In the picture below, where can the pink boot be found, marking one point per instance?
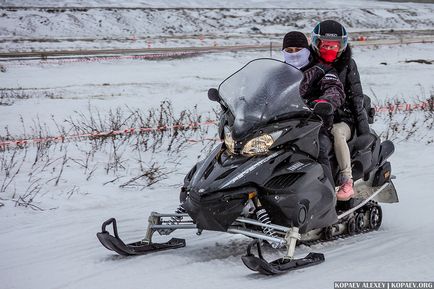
(345, 191)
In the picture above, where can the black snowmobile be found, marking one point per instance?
(264, 180)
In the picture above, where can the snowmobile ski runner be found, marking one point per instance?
(114, 243)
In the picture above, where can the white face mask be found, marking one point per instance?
(298, 59)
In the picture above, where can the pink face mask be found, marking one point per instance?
(328, 55)
(328, 50)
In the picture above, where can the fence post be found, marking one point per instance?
(271, 49)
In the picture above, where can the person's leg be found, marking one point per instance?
(325, 146)
(342, 133)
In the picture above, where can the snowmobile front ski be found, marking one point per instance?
(114, 243)
(282, 265)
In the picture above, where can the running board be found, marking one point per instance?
(387, 195)
(373, 195)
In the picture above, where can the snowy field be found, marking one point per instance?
(34, 26)
(215, 4)
(71, 188)
(138, 84)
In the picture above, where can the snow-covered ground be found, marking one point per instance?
(56, 247)
(216, 4)
(138, 83)
(215, 23)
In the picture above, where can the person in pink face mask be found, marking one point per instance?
(329, 42)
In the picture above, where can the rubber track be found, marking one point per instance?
(322, 240)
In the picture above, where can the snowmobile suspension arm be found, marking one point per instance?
(257, 235)
(179, 226)
(157, 223)
(155, 214)
(165, 227)
(260, 224)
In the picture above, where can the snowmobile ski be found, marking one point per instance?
(114, 243)
(278, 266)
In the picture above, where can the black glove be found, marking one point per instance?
(327, 68)
(324, 110)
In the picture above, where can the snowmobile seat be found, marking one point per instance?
(361, 148)
(362, 142)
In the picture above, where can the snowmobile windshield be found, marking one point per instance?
(262, 91)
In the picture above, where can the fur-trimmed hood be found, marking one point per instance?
(344, 59)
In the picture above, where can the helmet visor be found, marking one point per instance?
(317, 39)
(333, 45)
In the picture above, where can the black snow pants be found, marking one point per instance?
(325, 148)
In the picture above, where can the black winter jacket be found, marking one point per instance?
(322, 82)
(352, 111)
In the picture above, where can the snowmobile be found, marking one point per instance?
(264, 181)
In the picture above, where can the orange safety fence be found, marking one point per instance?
(392, 108)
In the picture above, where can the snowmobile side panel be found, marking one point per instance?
(294, 196)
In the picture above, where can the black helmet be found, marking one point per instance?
(329, 30)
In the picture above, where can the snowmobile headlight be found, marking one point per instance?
(258, 145)
(229, 141)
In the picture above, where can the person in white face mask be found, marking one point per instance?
(295, 50)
